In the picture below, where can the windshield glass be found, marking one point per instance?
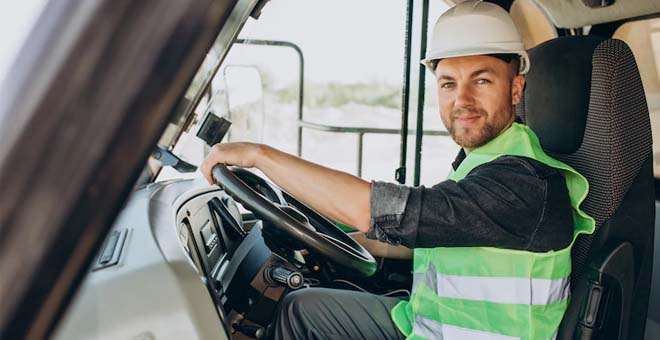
(350, 89)
(16, 21)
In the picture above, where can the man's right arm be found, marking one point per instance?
(511, 202)
(337, 195)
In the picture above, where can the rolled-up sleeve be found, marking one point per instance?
(388, 205)
(506, 203)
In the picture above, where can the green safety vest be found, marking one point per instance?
(493, 293)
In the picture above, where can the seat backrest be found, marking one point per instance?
(585, 101)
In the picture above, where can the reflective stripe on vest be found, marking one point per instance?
(511, 290)
(432, 329)
(491, 293)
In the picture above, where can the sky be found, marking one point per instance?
(343, 41)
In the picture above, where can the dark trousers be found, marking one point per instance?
(321, 313)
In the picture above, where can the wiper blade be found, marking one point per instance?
(167, 158)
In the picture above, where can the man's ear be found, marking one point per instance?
(517, 87)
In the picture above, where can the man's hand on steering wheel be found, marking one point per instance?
(312, 187)
(340, 196)
(241, 154)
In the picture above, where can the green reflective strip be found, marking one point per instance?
(495, 262)
(524, 321)
(402, 317)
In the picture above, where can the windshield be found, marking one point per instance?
(331, 96)
(16, 20)
(176, 139)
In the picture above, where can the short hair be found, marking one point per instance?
(508, 58)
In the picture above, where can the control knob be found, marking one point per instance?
(284, 276)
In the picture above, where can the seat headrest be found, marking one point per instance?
(556, 100)
(585, 101)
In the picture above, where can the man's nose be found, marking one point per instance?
(464, 96)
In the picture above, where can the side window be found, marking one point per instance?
(352, 85)
(643, 37)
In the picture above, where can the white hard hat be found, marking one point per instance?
(475, 28)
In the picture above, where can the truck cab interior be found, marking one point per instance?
(108, 232)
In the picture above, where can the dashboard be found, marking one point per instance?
(180, 262)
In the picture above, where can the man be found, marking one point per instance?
(492, 243)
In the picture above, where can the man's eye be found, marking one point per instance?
(483, 81)
(447, 85)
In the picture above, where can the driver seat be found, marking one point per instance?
(585, 101)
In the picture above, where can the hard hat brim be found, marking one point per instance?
(484, 50)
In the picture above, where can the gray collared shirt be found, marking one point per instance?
(511, 202)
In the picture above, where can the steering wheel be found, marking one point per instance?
(329, 241)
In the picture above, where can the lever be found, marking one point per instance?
(284, 276)
(254, 332)
(167, 158)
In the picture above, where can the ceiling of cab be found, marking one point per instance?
(574, 13)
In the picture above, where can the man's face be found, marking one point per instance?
(476, 95)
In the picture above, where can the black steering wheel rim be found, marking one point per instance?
(331, 242)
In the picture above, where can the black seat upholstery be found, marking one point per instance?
(584, 99)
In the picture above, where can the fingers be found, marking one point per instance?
(209, 162)
(229, 154)
(206, 171)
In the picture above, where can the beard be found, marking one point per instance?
(471, 137)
